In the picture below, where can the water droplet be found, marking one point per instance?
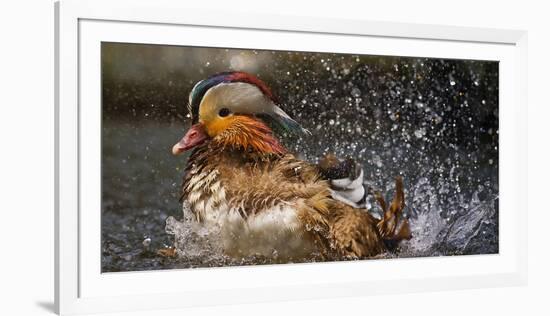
(355, 92)
(146, 242)
(419, 133)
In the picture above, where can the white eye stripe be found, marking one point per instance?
(238, 97)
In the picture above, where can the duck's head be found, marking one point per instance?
(235, 109)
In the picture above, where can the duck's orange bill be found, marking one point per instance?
(194, 137)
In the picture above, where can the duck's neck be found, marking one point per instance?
(250, 135)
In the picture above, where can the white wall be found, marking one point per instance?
(26, 163)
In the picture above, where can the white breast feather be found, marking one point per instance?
(268, 232)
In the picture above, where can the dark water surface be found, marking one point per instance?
(435, 122)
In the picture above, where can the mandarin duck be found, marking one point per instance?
(264, 200)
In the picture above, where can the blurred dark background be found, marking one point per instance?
(435, 121)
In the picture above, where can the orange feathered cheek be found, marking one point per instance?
(218, 125)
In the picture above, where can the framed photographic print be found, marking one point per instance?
(209, 159)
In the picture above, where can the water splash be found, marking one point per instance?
(435, 232)
(194, 241)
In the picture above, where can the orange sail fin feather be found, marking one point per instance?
(392, 226)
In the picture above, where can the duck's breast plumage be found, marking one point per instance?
(257, 204)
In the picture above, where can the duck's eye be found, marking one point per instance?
(224, 112)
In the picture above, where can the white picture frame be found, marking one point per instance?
(81, 287)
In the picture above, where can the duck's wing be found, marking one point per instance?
(353, 233)
(340, 227)
(261, 185)
(356, 233)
